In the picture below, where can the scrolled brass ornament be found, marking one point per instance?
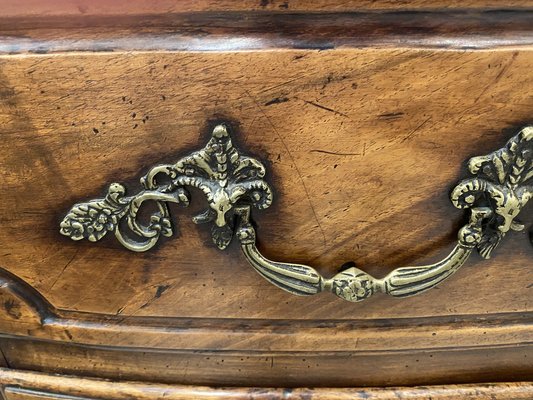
(233, 184)
(223, 175)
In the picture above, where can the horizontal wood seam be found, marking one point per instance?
(261, 353)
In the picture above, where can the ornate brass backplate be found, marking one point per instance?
(224, 176)
(233, 184)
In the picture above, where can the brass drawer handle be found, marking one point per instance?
(354, 284)
(233, 184)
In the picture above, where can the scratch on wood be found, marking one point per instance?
(333, 153)
(6, 362)
(160, 290)
(277, 100)
(283, 83)
(389, 116)
(64, 268)
(498, 77)
(325, 108)
(410, 134)
(293, 162)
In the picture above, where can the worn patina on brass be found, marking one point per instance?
(233, 184)
(225, 177)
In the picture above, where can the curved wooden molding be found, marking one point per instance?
(30, 310)
(22, 303)
(33, 383)
(42, 337)
(450, 29)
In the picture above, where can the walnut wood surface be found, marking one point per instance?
(26, 385)
(221, 351)
(362, 147)
(240, 31)
(338, 130)
(127, 7)
(226, 367)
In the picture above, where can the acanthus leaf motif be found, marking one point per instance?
(219, 171)
(501, 182)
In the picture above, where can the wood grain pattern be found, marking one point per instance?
(338, 130)
(238, 31)
(364, 129)
(69, 126)
(30, 386)
(127, 7)
(226, 367)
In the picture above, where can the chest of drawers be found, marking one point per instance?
(303, 132)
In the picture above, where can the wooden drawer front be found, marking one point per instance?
(362, 146)
(368, 181)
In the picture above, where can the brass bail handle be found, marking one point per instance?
(234, 184)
